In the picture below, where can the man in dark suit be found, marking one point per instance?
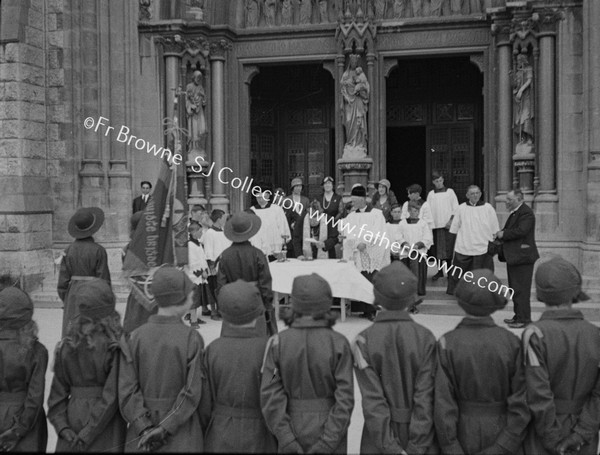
(520, 253)
(140, 202)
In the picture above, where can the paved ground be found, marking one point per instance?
(439, 316)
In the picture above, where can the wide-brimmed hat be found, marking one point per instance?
(358, 190)
(476, 298)
(386, 183)
(295, 182)
(170, 286)
(16, 308)
(85, 222)
(557, 281)
(311, 294)
(241, 226)
(395, 287)
(96, 299)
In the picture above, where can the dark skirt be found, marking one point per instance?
(443, 244)
(203, 297)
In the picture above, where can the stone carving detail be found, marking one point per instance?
(523, 109)
(145, 14)
(176, 45)
(196, 9)
(355, 90)
(355, 33)
(269, 13)
(219, 48)
(195, 102)
(252, 13)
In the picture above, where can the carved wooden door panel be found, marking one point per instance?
(262, 156)
(307, 152)
(451, 150)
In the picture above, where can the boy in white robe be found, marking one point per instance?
(274, 225)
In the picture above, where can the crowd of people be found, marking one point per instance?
(151, 384)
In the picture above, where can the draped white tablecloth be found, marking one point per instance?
(345, 280)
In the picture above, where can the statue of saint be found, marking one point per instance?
(287, 13)
(305, 7)
(399, 8)
(522, 79)
(195, 100)
(380, 9)
(324, 14)
(252, 13)
(270, 12)
(355, 90)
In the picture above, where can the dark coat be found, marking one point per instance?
(139, 204)
(161, 381)
(307, 390)
(563, 380)
(480, 390)
(83, 258)
(519, 237)
(22, 381)
(233, 364)
(245, 261)
(83, 396)
(394, 361)
(334, 212)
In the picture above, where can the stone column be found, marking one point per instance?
(339, 113)
(372, 117)
(218, 49)
(500, 29)
(546, 200)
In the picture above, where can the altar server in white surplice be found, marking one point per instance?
(274, 224)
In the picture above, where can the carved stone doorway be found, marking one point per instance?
(292, 126)
(434, 121)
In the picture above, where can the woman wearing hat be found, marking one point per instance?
(295, 211)
(480, 394)
(83, 404)
(332, 205)
(83, 260)
(23, 363)
(384, 199)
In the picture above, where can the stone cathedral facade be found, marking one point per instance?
(504, 94)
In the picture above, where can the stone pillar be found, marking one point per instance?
(339, 112)
(372, 117)
(500, 28)
(218, 50)
(546, 200)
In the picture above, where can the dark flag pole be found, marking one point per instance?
(161, 236)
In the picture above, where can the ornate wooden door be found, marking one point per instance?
(451, 150)
(308, 153)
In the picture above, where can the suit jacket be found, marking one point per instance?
(519, 237)
(139, 204)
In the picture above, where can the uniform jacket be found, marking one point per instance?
(83, 258)
(519, 237)
(83, 396)
(563, 384)
(480, 390)
(394, 361)
(307, 390)
(151, 394)
(22, 381)
(233, 364)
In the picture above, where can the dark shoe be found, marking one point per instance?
(187, 317)
(437, 276)
(413, 310)
(216, 317)
(206, 312)
(417, 302)
(511, 321)
(517, 325)
(195, 325)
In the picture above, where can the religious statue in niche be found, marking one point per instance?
(380, 8)
(305, 9)
(195, 100)
(252, 11)
(269, 12)
(399, 8)
(522, 82)
(355, 90)
(324, 14)
(287, 14)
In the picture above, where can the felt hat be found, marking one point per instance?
(327, 179)
(16, 308)
(240, 302)
(311, 294)
(386, 183)
(395, 287)
(85, 222)
(295, 182)
(96, 299)
(241, 226)
(557, 281)
(479, 300)
(358, 190)
(170, 286)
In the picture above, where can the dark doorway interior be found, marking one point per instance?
(292, 126)
(405, 162)
(434, 120)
